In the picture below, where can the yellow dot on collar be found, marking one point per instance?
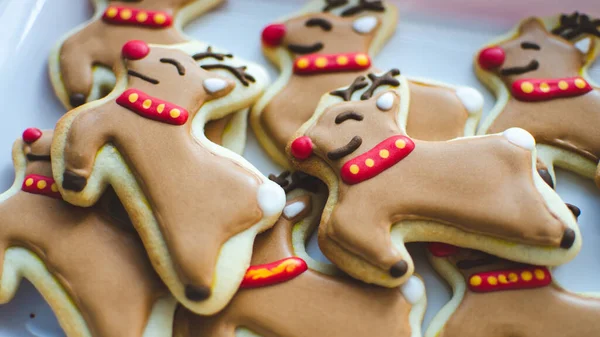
(502, 279)
(133, 97)
(29, 182)
(174, 113)
(342, 60)
(369, 162)
(321, 62)
(400, 144)
(41, 184)
(354, 169)
(512, 277)
(147, 104)
(384, 154)
(492, 280)
(111, 12)
(526, 276)
(544, 87)
(126, 14)
(141, 17)
(362, 59)
(160, 18)
(302, 63)
(527, 87)
(54, 188)
(475, 281)
(579, 83)
(160, 108)
(563, 85)
(539, 274)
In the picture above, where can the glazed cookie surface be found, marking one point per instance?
(326, 46)
(146, 139)
(61, 248)
(81, 63)
(496, 298)
(538, 72)
(287, 294)
(387, 188)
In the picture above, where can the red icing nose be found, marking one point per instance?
(31, 135)
(302, 147)
(135, 50)
(491, 58)
(272, 35)
(439, 249)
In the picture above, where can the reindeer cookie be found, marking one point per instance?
(539, 74)
(325, 47)
(500, 298)
(81, 64)
(86, 262)
(286, 294)
(196, 205)
(387, 189)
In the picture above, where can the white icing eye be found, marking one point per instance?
(290, 211)
(365, 25)
(413, 290)
(214, 85)
(385, 102)
(471, 99)
(520, 138)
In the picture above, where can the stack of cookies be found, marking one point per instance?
(137, 216)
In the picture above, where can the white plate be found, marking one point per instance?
(435, 38)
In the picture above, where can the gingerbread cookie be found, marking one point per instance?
(81, 64)
(539, 75)
(327, 45)
(196, 205)
(387, 189)
(497, 298)
(86, 262)
(286, 295)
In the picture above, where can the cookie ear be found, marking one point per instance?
(585, 45)
(532, 25)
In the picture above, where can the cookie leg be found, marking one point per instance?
(76, 68)
(368, 239)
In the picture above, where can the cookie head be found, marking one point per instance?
(331, 27)
(36, 145)
(535, 52)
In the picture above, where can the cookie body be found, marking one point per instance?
(507, 298)
(387, 188)
(297, 306)
(325, 47)
(147, 140)
(80, 259)
(539, 74)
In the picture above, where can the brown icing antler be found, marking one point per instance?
(346, 94)
(574, 25)
(239, 72)
(364, 5)
(377, 81)
(209, 53)
(333, 4)
(297, 180)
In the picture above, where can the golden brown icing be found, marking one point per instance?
(435, 113)
(568, 123)
(548, 311)
(189, 188)
(297, 307)
(89, 252)
(439, 182)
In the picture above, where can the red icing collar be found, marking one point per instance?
(534, 90)
(121, 15)
(329, 63)
(152, 108)
(371, 163)
(37, 184)
(510, 279)
(263, 275)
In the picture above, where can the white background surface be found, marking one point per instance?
(435, 39)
